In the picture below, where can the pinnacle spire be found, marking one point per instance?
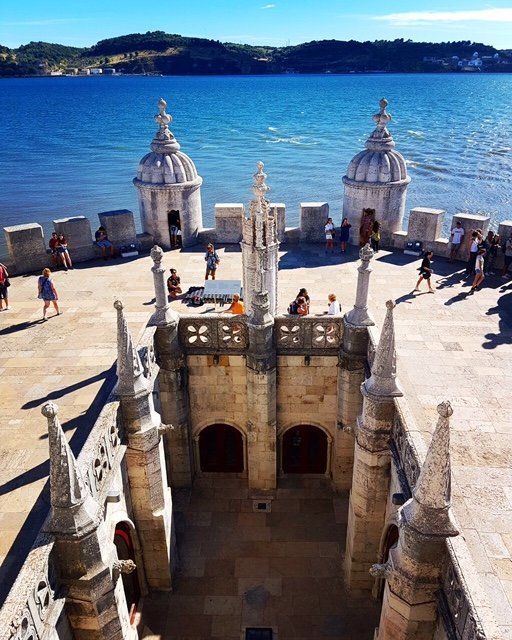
(164, 140)
(429, 509)
(130, 374)
(380, 139)
(74, 511)
(382, 381)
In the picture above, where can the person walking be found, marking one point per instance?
(4, 288)
(212, 261)
(456, 238)
(47, 292)
(329, 236)
(479, 270)
(425, 272)
(344, 234)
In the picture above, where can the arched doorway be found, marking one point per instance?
(125, 551)
(221, 449)
(390, 542)
(305, 450)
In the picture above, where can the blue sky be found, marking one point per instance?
(273, 22)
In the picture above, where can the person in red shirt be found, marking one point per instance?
(53, 249)
(4, 291)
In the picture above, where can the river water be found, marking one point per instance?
(70, 146)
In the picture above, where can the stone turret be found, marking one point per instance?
(377, 179)
(167, 181)
(260, 246)
(409, 608)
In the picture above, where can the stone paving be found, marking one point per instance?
(279, 570)
(450, 346)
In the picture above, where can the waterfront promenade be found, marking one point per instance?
(450, 346)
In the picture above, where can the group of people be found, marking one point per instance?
(483, 252)
(58, 249)
(330, 235)
(301, 304)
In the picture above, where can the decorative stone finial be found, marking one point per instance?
(164, 140)
(382, 381)
(381, 139)
(429, 509)
(260, 188)
(130, 373)
(74, 512)
(366, 253)
(156, 254)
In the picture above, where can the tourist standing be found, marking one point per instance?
(212, 261)
(329, 236)
(344, 234)
(334, 308)
(102, 241)
(173, 284)
(47, 292)
(375, 236)
(491, 254)
(4, 288)
(62, 250)
(476, 239)
(174, 225)
(365, 229)
(425, 272)
(456, 237)
(479, 270)
(507, 249)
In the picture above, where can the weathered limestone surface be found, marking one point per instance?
(77, 231)
(26, 249)
(120, 226)
(228, 222)
(313, 216)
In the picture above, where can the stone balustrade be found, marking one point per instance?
(308, 335)
(205, 334)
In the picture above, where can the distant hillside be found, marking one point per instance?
(157, 52)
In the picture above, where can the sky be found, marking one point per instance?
(276, 22)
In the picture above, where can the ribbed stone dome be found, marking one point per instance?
(379, 162)
(166, 164)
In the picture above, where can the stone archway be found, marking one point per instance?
(304, 450)
(221, 449)
(125, 551)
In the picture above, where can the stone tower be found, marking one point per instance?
(167, 182)
(377, 179)
(260, 246)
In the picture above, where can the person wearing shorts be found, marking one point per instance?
(479, 270)
(212, 261)
(102, 241)
(425, 272)
(4, 289)
(456, 237)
